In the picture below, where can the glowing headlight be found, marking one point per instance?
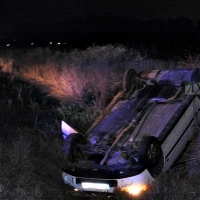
(135, 189)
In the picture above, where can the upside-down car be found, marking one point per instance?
(138, 136)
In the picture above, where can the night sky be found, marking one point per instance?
(48, 18)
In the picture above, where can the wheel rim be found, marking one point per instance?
(153, 153)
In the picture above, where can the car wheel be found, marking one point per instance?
(149, 152)
(129, 79)
(70, 146)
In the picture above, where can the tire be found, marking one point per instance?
(149, 152)
(129, 79)
(70, 146)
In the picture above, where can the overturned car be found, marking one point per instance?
(138, 136)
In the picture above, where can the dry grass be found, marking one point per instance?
(90, 76)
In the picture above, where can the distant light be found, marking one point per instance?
(50, 43)
(58, 43)
(76, 190)
(7, 45)
(32, 44)
(64, 43)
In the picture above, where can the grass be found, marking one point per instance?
(25, 170)
(39, 88)
(88, 76)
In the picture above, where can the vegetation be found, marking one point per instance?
(39, 88)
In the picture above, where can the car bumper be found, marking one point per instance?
(108, 185)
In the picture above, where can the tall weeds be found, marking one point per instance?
(90, 77)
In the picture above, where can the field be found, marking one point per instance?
(42, 86)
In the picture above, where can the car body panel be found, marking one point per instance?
(144, 178)
(66, 129)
